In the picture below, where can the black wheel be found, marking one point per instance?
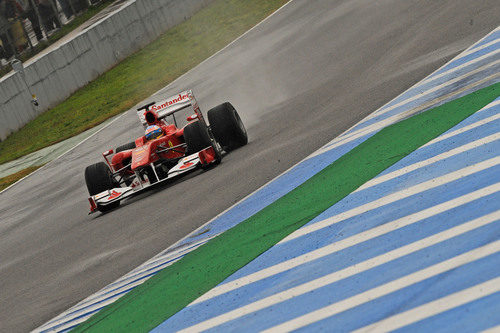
(227, 127)
(127, 146)
(196, 137)
(126, 173)
(99, 179)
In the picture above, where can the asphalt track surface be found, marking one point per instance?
(298, 80)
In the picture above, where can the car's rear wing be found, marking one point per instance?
(169, 106)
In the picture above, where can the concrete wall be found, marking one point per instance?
(55, 76)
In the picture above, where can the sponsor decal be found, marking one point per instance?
(187, 165)
(170, 102)
(140, 154)
(114, 195)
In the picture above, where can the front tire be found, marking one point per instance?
(227, 127)
(197, 138)
(127, 146)
(98, 178)
(127, 174)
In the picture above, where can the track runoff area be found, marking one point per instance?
(394, 224)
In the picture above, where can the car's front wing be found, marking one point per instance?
(184, 165)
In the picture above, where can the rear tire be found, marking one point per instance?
(99, 179)
(227, 127)
(127, 146)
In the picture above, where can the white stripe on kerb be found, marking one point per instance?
(434, 159)
(405, 193)
(435, 307)
(355, 240)
(348, 303)
(388, 288)
(466, 64)
(495, 329)
(471, 126)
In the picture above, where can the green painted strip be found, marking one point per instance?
(172, 289)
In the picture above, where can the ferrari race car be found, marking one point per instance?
(177, 140)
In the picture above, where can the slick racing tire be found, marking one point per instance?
(127, 146)
(131, 145)
(197, 138)
(99, 179)
(227, 127)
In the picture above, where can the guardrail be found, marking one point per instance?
(54, 76)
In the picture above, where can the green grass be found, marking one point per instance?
(169, 291)
(11, 179)
(143, 73)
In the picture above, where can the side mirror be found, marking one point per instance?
(107, 153)
(192, 117)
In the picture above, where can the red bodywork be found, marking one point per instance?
(157, 160)
(146, 151)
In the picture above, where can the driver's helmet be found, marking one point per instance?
(153, 132)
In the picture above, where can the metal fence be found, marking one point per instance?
(24, 24)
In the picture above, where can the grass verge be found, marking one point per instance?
(143, 73)
(11, 179)
(168, 292)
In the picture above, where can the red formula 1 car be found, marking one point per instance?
(177, 140)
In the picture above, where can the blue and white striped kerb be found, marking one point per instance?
(360, 253)
(417, 248)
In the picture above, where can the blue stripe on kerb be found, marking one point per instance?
(490, 38)
(458, 279)
(275, 190)
(462, 60)
(374, 218)
(471, 317)
(345, 258)
(359, 283)
(418, 294)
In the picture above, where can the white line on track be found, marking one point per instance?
(66, 152)
(393, 197)
(358, 239)
(354, 300)
(388, 288)
(461, 149)
(435, 307)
